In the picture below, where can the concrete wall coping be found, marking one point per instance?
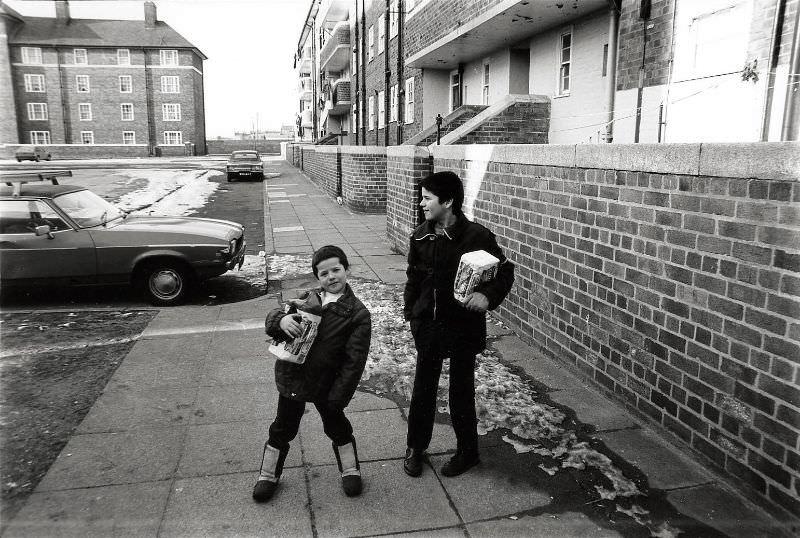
(758, 160)
(407, 151)
(363, 150)
(327, 149)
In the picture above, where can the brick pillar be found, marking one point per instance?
(405, 168)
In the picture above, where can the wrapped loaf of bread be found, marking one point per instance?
(296, 350)
(473, 268)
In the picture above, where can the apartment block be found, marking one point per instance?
(102, 82)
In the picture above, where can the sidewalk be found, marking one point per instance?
(173, 445)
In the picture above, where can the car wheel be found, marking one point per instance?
(36, 158)
(19, 160)
(165, 283)
(230, 178)
(49, 157)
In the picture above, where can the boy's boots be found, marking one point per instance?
(347, 458)
(271, 469)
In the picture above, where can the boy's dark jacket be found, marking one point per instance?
(336, 360)
(432, 265)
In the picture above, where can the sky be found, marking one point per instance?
(249, 74)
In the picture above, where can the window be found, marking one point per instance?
(40, 137)
(81, 58)
(371, 107)
(82, 83)
(170, 84)
(125, 84)
(409, 115)
(485, 93)
(126, 111)
(394, 15)
(565, 59)
(22, 216)
(455, 90)
(371, 45)
(381, 32)
(128, 137)
(123, 57)
(381, 109)
(85, 111)
(32, 55)
(355, 116)
(173, 138)
(87, 137)
(37, 111)
(171, 112)
(605, 59)
(393, 104)
(169, 57)
(34, 83)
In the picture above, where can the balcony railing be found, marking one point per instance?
(305, 66)
(304, 85)
(306, 119)
(341, 98)
(335, 54)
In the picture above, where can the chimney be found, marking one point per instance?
(149, 15)
(62, 12)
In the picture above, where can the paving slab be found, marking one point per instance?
(392, 502)
(126, 510)
(563, 525)
(365, 401)
(230, 403)
(222, 506)
(449, 532)
(593, 409)
(156, 349)
(726, 512)
(102, 459)
(236, 369)
(255, 309)
(124, 409)
(234, 447)
(664, 466)
(141, 372)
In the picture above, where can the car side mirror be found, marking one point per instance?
(44, 229)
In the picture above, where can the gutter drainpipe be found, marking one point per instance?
(772, 65)
(791, 110)
(611, 69)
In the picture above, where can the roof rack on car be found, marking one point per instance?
(16, 178)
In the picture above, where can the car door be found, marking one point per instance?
(66, 254)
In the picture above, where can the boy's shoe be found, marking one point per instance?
(347, 459)
(412, 464)
(460, 463)
(271, 469)
(264, 490)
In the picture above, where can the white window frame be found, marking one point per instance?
(394, 18)
(355, 118)
(35, 87)
(409, 99)
(371, 43)
(37, 111)
(451, 86)
(381, 109)
(39, 137)
(90, 138)
(123, 57)
(78, 79)
(122, 108)
(393, 104)
(129, 79)
(564, 82)
(84, 107)
(132, 139)
(170, 84)
(171, 112)
(485, 78)
(168, 57)
(178, 135)
(32, 56)
(371, 109)
(80, 57)
(381, 32)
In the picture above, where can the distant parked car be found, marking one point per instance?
(32, 153)
(245, 163)
(65, 234)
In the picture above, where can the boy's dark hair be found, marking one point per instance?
(446, 186)
(328, 251)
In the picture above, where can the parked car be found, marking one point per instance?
(32, 153)
(245, 163)
(66, 234)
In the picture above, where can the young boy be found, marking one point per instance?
(329, 376)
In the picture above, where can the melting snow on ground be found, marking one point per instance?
(169, 192)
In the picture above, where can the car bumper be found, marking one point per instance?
(237, 258)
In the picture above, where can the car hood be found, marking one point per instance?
(222, 229)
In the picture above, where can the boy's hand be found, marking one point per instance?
(477, 302)
(290, 325)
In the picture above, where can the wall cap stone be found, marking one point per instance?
(657, 158)
(762, 160)
(407, 151)
(363, 150)
(327, 149)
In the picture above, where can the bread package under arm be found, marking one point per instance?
(475, 267)
(296, 350)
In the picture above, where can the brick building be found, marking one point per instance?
(713, 71)
(101, 82)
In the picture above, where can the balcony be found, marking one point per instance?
(505, 23)
(304, 85)
(305, 119)
(333, 10)
(341, 99)
(305, 65)
(335, 54)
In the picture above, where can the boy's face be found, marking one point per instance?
(434, 210)
(332, 275)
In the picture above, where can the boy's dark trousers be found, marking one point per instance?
(287, 423)
(432, 347)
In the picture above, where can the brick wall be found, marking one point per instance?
(632, 31)
(363, 178)
(84, 151)
(521, 123)
(226, 146)
(668, 275)
(325, 169)
(406, 166)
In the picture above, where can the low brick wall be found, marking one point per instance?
(363, 176)
(406, 166)
(668, 275)
(326, 169)
(88, 151)
(226, 146)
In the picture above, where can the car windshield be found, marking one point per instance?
(244, 156)
(87, 209)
